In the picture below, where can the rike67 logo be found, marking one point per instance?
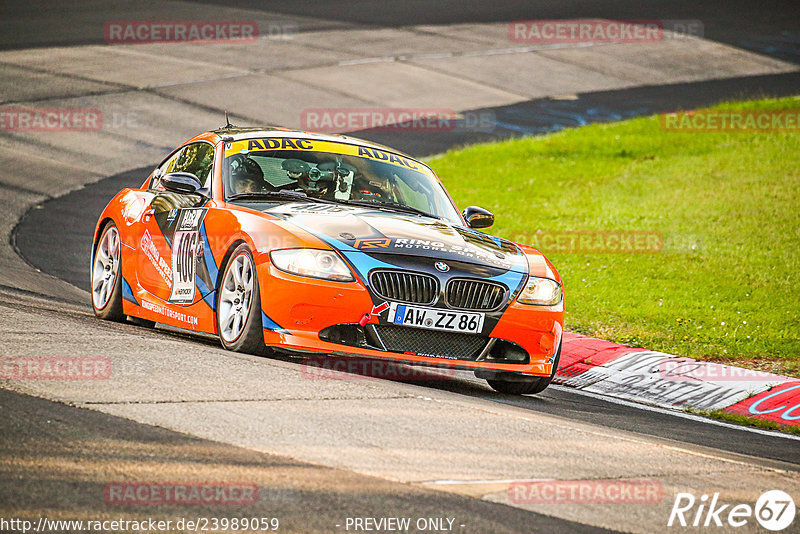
(774, 510)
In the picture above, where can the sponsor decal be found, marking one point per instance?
(179, 493)
(286, 143)
(656, 378)
(586, 492)
(186, 247)
(164, 311)
(190, 219)
(173, 214)
(134, 207)
(279, 143)
(55, 368)
(732, 121)
(457, 250)
(380, 155)
(151, 251)
(686, 369)
(371, 243)
(313, 209)
(428, 355)
(780, 404)
(637, 377)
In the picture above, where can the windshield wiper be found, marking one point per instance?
(282, 194)
(389, 205)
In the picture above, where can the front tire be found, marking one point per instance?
(107, 275)
(239, 305)
(528, 387)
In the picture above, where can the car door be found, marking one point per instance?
(170, 241)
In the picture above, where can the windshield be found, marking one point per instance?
(336, 172)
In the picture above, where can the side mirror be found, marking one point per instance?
(181, 182)
(478, 217)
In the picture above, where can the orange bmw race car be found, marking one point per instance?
(276, 239)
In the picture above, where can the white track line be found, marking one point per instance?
(676, 413)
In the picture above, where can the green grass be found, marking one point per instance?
(745, 420)
(724, 286)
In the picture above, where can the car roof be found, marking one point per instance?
(237, 133)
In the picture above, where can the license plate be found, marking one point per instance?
(435, 319)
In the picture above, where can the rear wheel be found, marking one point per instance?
(239, 305)
(521, 386)
(107, 275)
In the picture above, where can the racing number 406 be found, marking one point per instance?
(185, 251)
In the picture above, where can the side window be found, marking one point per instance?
(197, 159)
(163, 169)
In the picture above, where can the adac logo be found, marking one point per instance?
(373, 242)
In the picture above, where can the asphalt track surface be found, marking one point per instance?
(296, 493)
(767, 27)
(64, 255)
(33, 304)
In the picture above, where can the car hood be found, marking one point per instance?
(378, 232)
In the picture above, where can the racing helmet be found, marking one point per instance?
(246, 174)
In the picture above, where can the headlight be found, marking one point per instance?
(312, 262)
(541, 291)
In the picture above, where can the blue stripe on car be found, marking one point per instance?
(208, 293)
(364, 263)
(511, 279)
(127, 292)
(211, 263)
(269, 324)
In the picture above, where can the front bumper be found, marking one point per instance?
(304, 312)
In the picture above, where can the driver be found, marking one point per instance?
(246, 176)
(374, 188)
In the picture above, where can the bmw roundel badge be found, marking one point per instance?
(441, 266)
